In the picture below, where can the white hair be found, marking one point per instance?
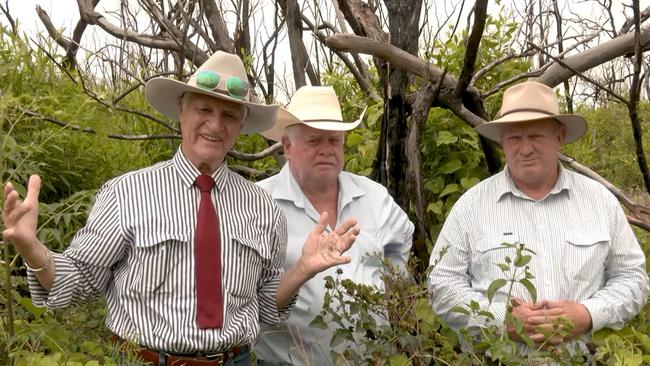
(185, 98)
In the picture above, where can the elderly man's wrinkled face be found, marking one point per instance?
(209, 128)
(531, 151)
(315, 156)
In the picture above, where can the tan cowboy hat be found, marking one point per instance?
(222, 76)
(532, 101)
(314, 106)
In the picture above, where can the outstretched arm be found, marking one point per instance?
(20, 221)
(321, 251)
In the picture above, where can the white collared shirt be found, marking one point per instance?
(586, 250)
(386, 232)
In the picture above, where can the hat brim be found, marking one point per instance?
(163, 94)
(286, 119)
(575, 125)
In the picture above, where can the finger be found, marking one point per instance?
(11, 201)
(540, 304)
(345, 242)
(341, 260)
(346, 226)
(321, 224)
(8, 189)
(33, 188)
(537, 337)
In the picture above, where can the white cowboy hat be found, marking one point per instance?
(314, 106)
(532, 101)
(222, 76)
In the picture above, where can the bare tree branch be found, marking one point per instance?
(619, 46)
(188, 50)
(633, 104)
(12, 22)
(472, 47)
(217, 25)
(57, 122)
(643, 16)
(256, 156)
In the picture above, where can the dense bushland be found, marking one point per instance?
(74, 164)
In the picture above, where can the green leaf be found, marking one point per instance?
(341, 335)
(459, 309)
(530, 287)
(353, 139)
(468, 183)
(486, 314)
(522, 260)
(451, 166)
(435, 207)
(445, 138)
(398, 360)
(318, 322)
(494, 287)
(504, 267)
(450, 188)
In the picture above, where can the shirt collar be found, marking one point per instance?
(288, 189)
(188, 172)
(505, 184)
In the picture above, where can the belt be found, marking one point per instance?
(161, 358)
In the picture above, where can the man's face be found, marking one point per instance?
(531, 151)
(209, 128)
(315, 156)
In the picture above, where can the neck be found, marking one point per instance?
(537, 190)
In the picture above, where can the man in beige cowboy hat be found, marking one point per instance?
(189, 254)
(312, 182)
(588, 266)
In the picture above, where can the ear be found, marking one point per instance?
(180, 105)
(561, 134)
(286, 145)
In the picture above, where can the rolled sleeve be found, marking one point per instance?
(272, 275)
(625, 291)
(396, 232)
(82, 271)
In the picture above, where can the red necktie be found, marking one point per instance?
(207, 254)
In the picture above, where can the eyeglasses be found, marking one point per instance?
(235, 86)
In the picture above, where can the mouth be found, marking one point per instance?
(210, 138)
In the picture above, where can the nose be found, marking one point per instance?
(214, 122)
(526, 146)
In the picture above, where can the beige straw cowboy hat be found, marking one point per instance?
(532, 101)
(314, 106)
(222, 76)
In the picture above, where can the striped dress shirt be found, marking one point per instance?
(137, 248)
(585, 250)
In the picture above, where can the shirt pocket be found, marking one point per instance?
(250, 256)
(584, 257)
(154, 259)
(490, 251)
(367, 249)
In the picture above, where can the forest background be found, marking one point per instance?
(72, 111)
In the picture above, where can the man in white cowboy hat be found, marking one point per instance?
(311, 130)
(189, 254)
(588, 266)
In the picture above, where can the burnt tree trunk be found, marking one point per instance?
(403, 20)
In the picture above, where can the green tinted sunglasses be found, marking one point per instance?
(235, 86)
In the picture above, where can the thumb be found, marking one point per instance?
(321, 224)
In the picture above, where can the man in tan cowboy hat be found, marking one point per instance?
(312, 182)
(189, 254)
(588, 265)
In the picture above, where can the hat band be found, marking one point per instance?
(526, 110)
(323, 120)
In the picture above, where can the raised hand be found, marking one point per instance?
(21, 218)
(324, 250)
